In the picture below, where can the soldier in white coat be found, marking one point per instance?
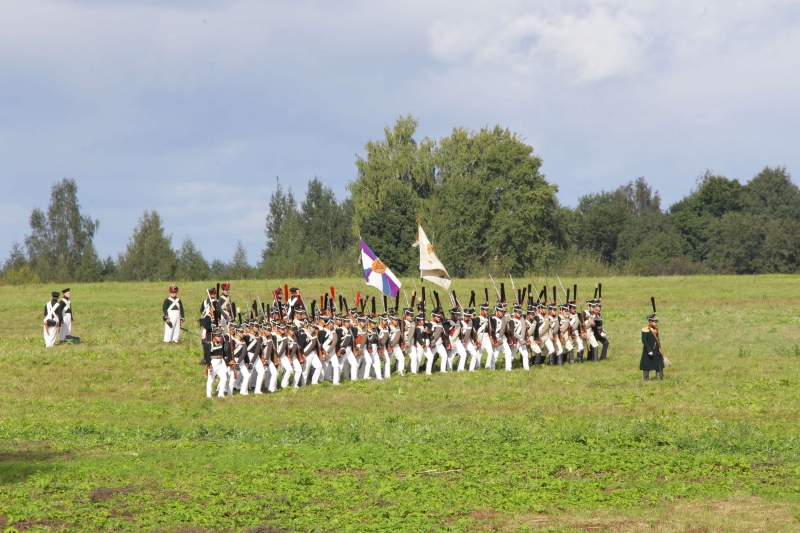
(51, 320)
(173, 316)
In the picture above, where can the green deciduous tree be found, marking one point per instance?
(491, 207)
(480, 194)
(149, 255)
(239, 268)
(59, 237)
(604, 215)
(91, 268)
(191, 266)
(315, 239)
(772, 194)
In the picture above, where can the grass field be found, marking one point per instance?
(115, 434)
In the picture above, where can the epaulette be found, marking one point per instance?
(645, 329)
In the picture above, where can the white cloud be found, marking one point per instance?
(162, 103)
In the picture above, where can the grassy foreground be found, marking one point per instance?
(115, 434)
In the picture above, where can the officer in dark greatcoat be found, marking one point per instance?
(652, 358)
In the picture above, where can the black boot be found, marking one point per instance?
(572, 356)
(660, 374)
(604, 352)
(646, 375)
(561, 359)
(580, 356)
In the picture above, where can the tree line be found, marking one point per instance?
(485, 205)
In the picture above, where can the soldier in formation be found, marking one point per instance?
(291, 343)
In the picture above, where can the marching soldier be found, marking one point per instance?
(373, 340)
(436, 343)
(208, 314)
(253, 341)
(309, 347)
(238, 362)
(394, 345)
(532, 324)
(517, 327)
(497, 330)
(546, 334)
(65, 315)
(575, 327)
(420, 342)
(344, 347)
(173, 316)
(328, 351)
(226, 309)
(589, 328)
(408, 339)
(216, 364)
(51, 320)
(282, 354)
(482, 335)
(652, 357)
(565, 331)
(468, 340)
(555, 334)
(269, 359)
(599, 333)
(452, 331)
(294, 355)
(383, 345)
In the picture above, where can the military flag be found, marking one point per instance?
(430, 267)
(377, 273)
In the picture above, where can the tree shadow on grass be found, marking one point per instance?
(15, 466)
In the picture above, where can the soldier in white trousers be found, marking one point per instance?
(383, 345)
(577, 334)
(65, 312)
(532, 324)
(50, 321)
(589, 327)
(216, 364)
(327, 340)
(484, 339)
(173, 316)
(409, 329)
(468, 337)
(394, 346)
(497, 330)
(518, 327)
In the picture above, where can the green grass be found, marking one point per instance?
(115, 434)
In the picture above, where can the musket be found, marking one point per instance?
(562, 286)
(406, 297)
(211, 307)
(233, 354)
(190, 332)
(664, 357)
(495, 287)
(513, 288)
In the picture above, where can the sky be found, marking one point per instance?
(196, 108)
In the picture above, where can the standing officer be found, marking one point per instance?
(173, 316)
(652, 357)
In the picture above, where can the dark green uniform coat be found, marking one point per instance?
(651, 345)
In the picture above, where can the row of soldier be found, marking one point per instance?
(330, 342)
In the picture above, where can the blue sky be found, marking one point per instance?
(193, 108)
